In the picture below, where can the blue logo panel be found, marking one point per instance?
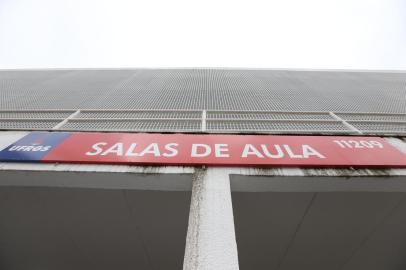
(33, 147)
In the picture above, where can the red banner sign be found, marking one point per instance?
(225, 150)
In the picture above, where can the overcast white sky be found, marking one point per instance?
(353, 34)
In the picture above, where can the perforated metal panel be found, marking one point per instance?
(205, 100)
(27, 124)
(134, 125)
(141, 114)
(35, 114)
(372, 117)
(278, 126)
(249, 115)
(382, 127)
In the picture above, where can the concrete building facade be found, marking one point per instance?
(59, 215)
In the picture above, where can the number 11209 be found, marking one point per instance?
(358, 144)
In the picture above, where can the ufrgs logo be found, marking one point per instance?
(33, 147)
(37, 145)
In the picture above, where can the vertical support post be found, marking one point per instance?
(204, 116)
(345, 123)
(210, 242)
(60, 124)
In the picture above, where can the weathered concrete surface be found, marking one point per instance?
(211, 242)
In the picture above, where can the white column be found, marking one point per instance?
(210, 242)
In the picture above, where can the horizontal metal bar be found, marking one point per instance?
(281, 130)
(298, 132)
(215, 131)
(377, 121)
(101, 110)
(31, 119)
(208, 120)
(193, 110)
(131, 119)
(219, 131)
(198, 111)
(39, 111)
(26, 129)
(136, 110)
(371, 113)
(197, 130)
(266, 111)
(386, 133)
(305, 112)
(275, 120)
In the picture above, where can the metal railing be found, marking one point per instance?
(206, 121)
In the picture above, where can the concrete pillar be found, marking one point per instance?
(211, 243)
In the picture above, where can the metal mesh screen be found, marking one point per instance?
(372, 117)
(267, 115)
(209, 89)
(141, 114)
(27, 124)
(205, 100)
(134, 125)
(382, 127)
(277, 126)
(34, 114)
